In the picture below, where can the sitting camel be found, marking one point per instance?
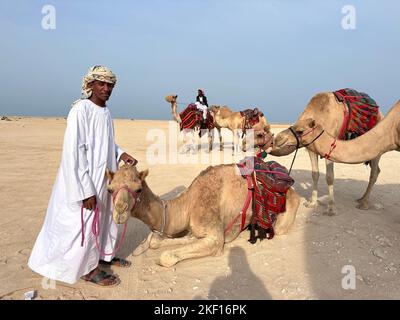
(327, 111)
(384, 137)
(235, 121)
(197, 218)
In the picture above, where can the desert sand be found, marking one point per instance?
(307, 263)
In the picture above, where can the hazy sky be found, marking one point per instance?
(271, 54)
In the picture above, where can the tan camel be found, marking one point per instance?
(198, 217)
(189, 135)
(368, 147)
(234, 121)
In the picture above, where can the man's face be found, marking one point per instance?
(102, 90)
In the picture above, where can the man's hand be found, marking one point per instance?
(90, 203)
(128, 159)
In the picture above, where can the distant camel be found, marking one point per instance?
(235, 122)
(189, 138)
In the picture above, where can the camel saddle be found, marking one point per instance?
(271, 182)
(361, 114)
(251, 117)
(192, 118)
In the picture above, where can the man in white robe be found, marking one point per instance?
(89, 148)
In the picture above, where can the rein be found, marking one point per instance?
(305, 145)
(96, 224)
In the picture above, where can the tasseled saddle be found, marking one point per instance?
(252, 117)
(271, 182)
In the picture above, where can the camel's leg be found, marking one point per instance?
(330, 177)
(315, 176)
(158, 241)
(375, 170)
(285, 220)
(210, 139)
(185, 148)
(213, 244)
(233, 141)
(221, 146)
(193, 141)
(244, 143)
(236, 141)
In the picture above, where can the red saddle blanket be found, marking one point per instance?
(192, 118)
(361, 116)
(273, 182)
(252, 117)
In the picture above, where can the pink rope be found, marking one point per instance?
(242, 212)
(96, 232)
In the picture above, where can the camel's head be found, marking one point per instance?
(215, 110)
(302, 133)
(171, 98)
(263, 140)
(125, 185)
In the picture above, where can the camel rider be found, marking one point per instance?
(201, 103)
(60, 253)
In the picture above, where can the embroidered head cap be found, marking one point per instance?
(99, 73)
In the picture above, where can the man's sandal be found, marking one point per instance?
(117, 262)
(102, 279)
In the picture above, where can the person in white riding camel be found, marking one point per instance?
(89, 148)
(201, 103)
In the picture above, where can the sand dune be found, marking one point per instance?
(305, 264)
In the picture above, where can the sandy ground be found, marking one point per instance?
(305, 264)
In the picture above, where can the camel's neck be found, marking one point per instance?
(382, 138)
(175, 113)
(151, 211)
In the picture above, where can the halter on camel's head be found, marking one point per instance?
(125, 185)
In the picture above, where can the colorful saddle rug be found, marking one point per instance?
(192, 118)
(252, 117)
(269, 195)
(361, 115)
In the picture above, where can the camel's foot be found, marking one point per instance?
(168, 259)
(311, 204)
(331, 212)
(184, 150)
(155, 241)
(363, 204)
(281, 230)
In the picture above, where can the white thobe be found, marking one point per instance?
(89, 148)
(203, 108)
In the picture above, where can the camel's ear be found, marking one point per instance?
(109, 175)
(143, 174)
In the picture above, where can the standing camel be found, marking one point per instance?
(197, 218)
(384, 137)
(235, 122)
(189, 134)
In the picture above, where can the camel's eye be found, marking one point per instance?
(300, 132)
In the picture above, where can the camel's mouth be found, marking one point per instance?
(120, 217)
